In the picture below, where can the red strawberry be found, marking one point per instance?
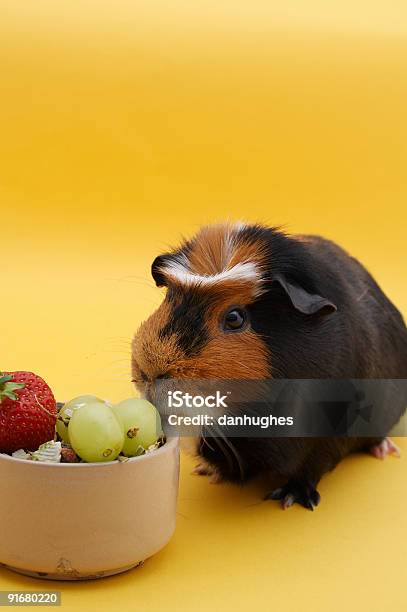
(28, 412)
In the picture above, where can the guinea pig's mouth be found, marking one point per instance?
(156, 391)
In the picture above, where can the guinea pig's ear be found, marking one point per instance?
(156, 270)
(304, 302)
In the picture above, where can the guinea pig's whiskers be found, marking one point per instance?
(205, 441)
(136, 280)
(219, 443)
(221, 446)
(231, 447)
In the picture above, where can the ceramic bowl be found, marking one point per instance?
(86, 520)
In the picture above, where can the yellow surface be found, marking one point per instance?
(126, 124)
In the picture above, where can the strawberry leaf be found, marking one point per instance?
(8, 388)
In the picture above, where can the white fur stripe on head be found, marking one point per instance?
(218, 253)
(243, 271)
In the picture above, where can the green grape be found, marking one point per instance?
(67, 411)
(141, 424)
(95, 433)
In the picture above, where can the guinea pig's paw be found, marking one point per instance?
(202, 469)
(296, 491)
(386, 447)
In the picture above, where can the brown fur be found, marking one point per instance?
(151, 354)
(155, 356)
(226, 362)
(244, 252)
(217, 248)
(211, 253)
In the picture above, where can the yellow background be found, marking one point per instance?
(126, 124)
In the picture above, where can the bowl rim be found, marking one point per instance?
(171, 442)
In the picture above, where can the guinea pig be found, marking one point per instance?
(252, 302)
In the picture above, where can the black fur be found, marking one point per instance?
(365, 337)
(187, 321)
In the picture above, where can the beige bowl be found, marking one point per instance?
(86, 520)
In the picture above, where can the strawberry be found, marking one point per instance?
(28, 412)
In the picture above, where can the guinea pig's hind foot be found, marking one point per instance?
(384, 448)
(296, 491)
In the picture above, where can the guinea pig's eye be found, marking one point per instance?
(234, 319)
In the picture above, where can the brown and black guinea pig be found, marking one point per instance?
(251, 302)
